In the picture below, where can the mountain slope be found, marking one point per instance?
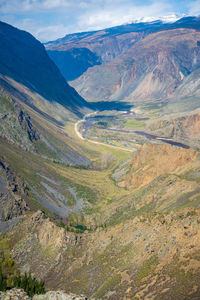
(74, 62)
(24, 60)
(140, 61)
(35, 105)
(151, 69)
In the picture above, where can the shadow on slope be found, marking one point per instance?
(114, 105)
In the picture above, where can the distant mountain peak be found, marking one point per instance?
(164, 19)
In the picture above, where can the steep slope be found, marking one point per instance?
(74, 62)
(106, 44)
(35, 104)
(24, 60)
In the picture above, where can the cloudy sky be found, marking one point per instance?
(51, 19)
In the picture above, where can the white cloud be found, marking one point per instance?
(52, 32)
(194, 8)
(35, 6)
(110, 16)
(38, 29)
(51, 19)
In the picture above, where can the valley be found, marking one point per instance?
(101, 198)
(89, 121)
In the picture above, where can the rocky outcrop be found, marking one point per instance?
(43, 241)
(59, 296)
(147, 254)
(19, 294)
(185, 128)
(14, 294)
(13, 196)
(25, 122)
(16, 125)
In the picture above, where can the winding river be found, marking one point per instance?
(89, 119)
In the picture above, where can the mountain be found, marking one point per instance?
(23, 59)
(139, 61)
(107, 206)
(35, 105)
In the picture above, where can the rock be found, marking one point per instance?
(14, 294)
(59, 295)
(51, 235)
(19, 294)
(13, 197)
(37, 216)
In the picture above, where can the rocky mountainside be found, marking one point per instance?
(16, 125)
(153, 161)
(23, 60)
(144, 61)
(28, 140)
(13, 195)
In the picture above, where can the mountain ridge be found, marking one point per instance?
(116, 49)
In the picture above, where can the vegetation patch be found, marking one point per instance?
(10, 276)
(133, 123)
(146, 269)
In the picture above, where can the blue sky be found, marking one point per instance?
(51, 19)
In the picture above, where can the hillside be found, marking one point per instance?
(35, 105)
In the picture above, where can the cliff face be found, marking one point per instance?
(74, 62)
(13, 194)
(16, 125)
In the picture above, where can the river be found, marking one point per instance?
(88, 123)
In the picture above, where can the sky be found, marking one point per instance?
(48, 20)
